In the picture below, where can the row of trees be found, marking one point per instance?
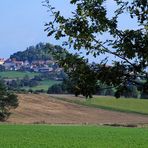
(63, 88)
(83, 78)
(25, 82)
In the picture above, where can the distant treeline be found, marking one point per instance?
(67, 88)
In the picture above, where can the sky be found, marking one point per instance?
(22, 23)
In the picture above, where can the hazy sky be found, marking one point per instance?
(22, 23)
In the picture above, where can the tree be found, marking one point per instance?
(34, 53)
(131, 92)
(2, 68)
(89, 21)
(55, 89)
(7, 101)
(81, 75)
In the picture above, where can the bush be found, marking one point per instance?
(7, 101)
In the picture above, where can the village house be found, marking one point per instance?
(12, 64)
(45, 69)
(2, 60)
(50, 62)
(36, 66)
(26, 63)
(39, 62)
(59, 69)
(9, 65)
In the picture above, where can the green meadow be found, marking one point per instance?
(45, 136)
(43, 85)
(17, 74)
(122, 104)
(128, 105)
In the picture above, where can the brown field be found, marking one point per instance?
(37, 108)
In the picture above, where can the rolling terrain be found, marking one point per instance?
(41, 108)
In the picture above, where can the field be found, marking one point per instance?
(16, 74)
(42, 108)
(131, 105)
(44, 136)
(110, 103)
(45, 84)
(57, 121)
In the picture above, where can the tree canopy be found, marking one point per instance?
(81, 75)
(89, 21)
(36, 53)
(7, 101)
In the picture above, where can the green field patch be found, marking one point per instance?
(44, 136)
(122, 104)
(128, 105)
(43, 85)
(17, 74)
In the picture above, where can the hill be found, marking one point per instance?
(35, 68)
(36, 53)
(41, 108)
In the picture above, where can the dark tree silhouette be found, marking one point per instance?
(89, 21)
(7, 101)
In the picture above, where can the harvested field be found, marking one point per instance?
(40, 108)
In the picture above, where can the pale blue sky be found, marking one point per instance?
(22, 23)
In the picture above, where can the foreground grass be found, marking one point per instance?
(43, 136)
(16, 74)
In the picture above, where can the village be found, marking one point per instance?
(41, 66)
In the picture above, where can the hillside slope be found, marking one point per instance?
(34, 108)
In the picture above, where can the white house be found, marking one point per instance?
(2, 61)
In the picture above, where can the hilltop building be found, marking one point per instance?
(12, 64)
(9, 65)
(2, 60)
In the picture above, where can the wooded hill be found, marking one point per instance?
(34, 53)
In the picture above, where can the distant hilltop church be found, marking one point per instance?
(2, 60)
